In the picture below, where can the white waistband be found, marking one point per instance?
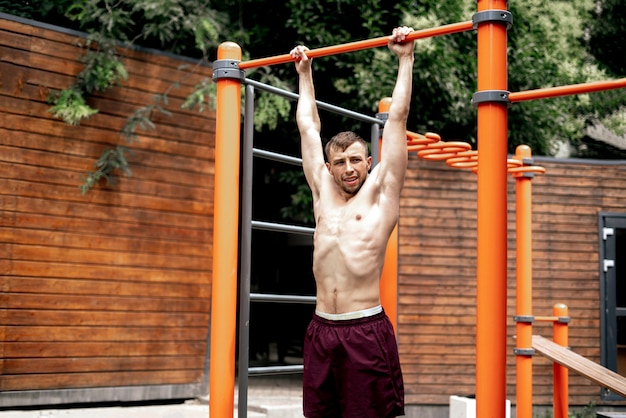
(363, 313)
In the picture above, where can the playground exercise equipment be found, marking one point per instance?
(492, 99)
(248, 225)
(570, 360)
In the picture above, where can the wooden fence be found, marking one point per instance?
(110, 289)
(437, 291)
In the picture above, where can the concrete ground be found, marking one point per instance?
(268, 397)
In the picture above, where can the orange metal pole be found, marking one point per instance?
(492, 220)
(225, 240)
(389, 280)
(359, 45)
(389, 276)
(524, 288)
(567, 90)
(560, 373)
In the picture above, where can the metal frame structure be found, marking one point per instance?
(492, 99)
(248, 224)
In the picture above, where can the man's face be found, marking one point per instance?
(349, 168)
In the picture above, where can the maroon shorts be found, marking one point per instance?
(352, 369)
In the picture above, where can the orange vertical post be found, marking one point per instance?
(389, 276)
(225, 240)
(492, 219)
(524, 287)
(560, 373)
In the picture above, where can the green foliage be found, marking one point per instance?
(607, 29)
(201, 96)
(550, 44)
(301, 208)
(142, 117)
(164, 22)
(103, 68)
(41, 10)
(70, 106)
(270, 109)
(111, 159)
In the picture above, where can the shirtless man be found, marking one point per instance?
(351, 364)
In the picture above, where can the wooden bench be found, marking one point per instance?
(581, 365)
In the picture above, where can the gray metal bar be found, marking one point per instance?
(298, 368)
(245, 252)
(269, 155)
(266, 297)
(268, 226)
(320, 105)
(374, 137)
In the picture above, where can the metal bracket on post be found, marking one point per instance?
(227, 69)
(524, 351)
(503, 16)
(527, 162)
(526, 319)
(491, 96)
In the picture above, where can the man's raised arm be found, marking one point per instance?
(394, 149)
(308, 120)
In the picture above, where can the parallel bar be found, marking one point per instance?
(298, 368)
(266, 297)
(268, 226)
(246, 252)
(320, 105)
(282, 158)
(567, 90)
(581, 365)
(359, 45)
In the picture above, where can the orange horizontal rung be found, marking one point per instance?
(359, 45)
(414, 139)
(415, 147)
(414, 135)
(527, 169)
(567, 90)
(464, 159)
(512, 163)
(433, 136)
(443, 150)
(416, 142)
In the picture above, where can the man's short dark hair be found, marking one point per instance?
(342, 141)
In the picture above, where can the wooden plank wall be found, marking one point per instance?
(437, 273)
(111, 288)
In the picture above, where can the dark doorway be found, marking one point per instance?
(613, 293)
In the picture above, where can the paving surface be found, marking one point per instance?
(268, 397)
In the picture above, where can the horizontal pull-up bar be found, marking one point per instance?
(567, 90)
(359, 45)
